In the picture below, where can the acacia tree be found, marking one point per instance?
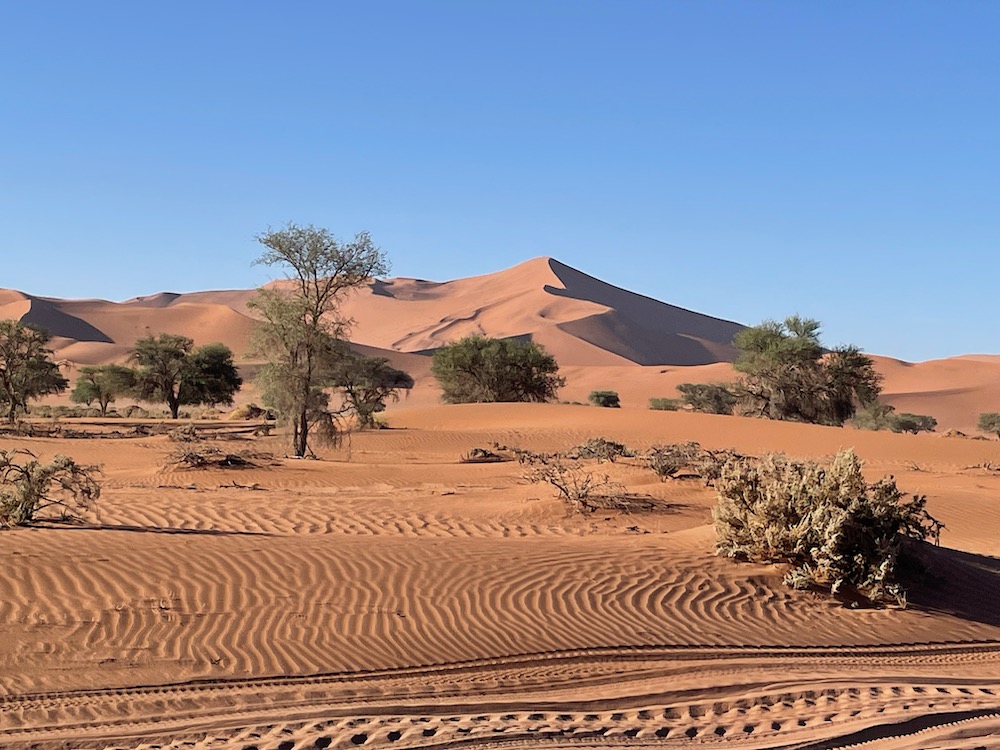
(103, 385)
(788, 376)
(476, 369)
(171, 370)
(26, 367)
(300, 334)
(989, 422)
(366, 383)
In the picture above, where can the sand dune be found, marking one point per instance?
(390, 595)
(603, 337)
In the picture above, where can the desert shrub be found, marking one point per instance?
(483, 456)
(43, 411)
(608, 399)
(59, 489)
(709, 398)
(989, 422)
(602, 449)
(665, 404)
(581, 489)
(834, 528)
(667, 461)
(204, 458)
(135, 412)
(913, 423)
(185, 434)
(476, 369)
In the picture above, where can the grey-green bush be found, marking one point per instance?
(30, 489)
(834, 528)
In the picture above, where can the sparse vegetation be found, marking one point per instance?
(170, 370)
(103, 385)
(366, 383)
(835, 529)
(301, 332)
(27, 371)
(582, 489)
(665, 404)
(878, 416)
(210, 457)
(667, 461)
(607, 399)
(709, 398)
(788, 376)
(601, 449)
(477, 369)
(989, 422)
(31, 490)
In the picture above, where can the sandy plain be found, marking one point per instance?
(389, 595)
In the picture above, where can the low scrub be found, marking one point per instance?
(31, 490)
(665, 404)
(836, 530)
(607, 399)
(602, 449)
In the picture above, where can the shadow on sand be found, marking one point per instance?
(957, 583)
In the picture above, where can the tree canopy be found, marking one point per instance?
(787, 374)
(170, 370)
(300, 331)
(366, 383)
(477, 369)
(103, 384)
(26, 368)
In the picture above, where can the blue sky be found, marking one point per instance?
(745, 159)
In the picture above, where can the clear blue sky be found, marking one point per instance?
(744, 159)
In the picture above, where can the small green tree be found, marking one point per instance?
(989, 422)
(477, 369)
(608, 399)
(709, 398)
(788, 376)
(103, 385)
(170, 370)
(300, 330)
(366, 383)
(26, 368)
(28, 487)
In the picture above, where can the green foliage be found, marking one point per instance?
(477, 369)
(787, 376)
(300, 334)
(878, 416)
(103, 385)
(664, 404)
(989, 422)
(834, 528)
(608, 399)
(913, 423)
(26, 368)
(709, 398)
(170, 370)
(366, 383)
(29, 488)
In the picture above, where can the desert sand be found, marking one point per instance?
(390, 595)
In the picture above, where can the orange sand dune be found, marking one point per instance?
(390, 595)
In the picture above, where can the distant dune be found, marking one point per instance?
(604, 337)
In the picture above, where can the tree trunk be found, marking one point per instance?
(175, 405)
(300, 435)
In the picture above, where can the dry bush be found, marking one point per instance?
(580, 488)
(59, 489)
(667, 461)
(204, 458)
(483, 456)
(602, 449)
(832, 526)
(184, 434)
